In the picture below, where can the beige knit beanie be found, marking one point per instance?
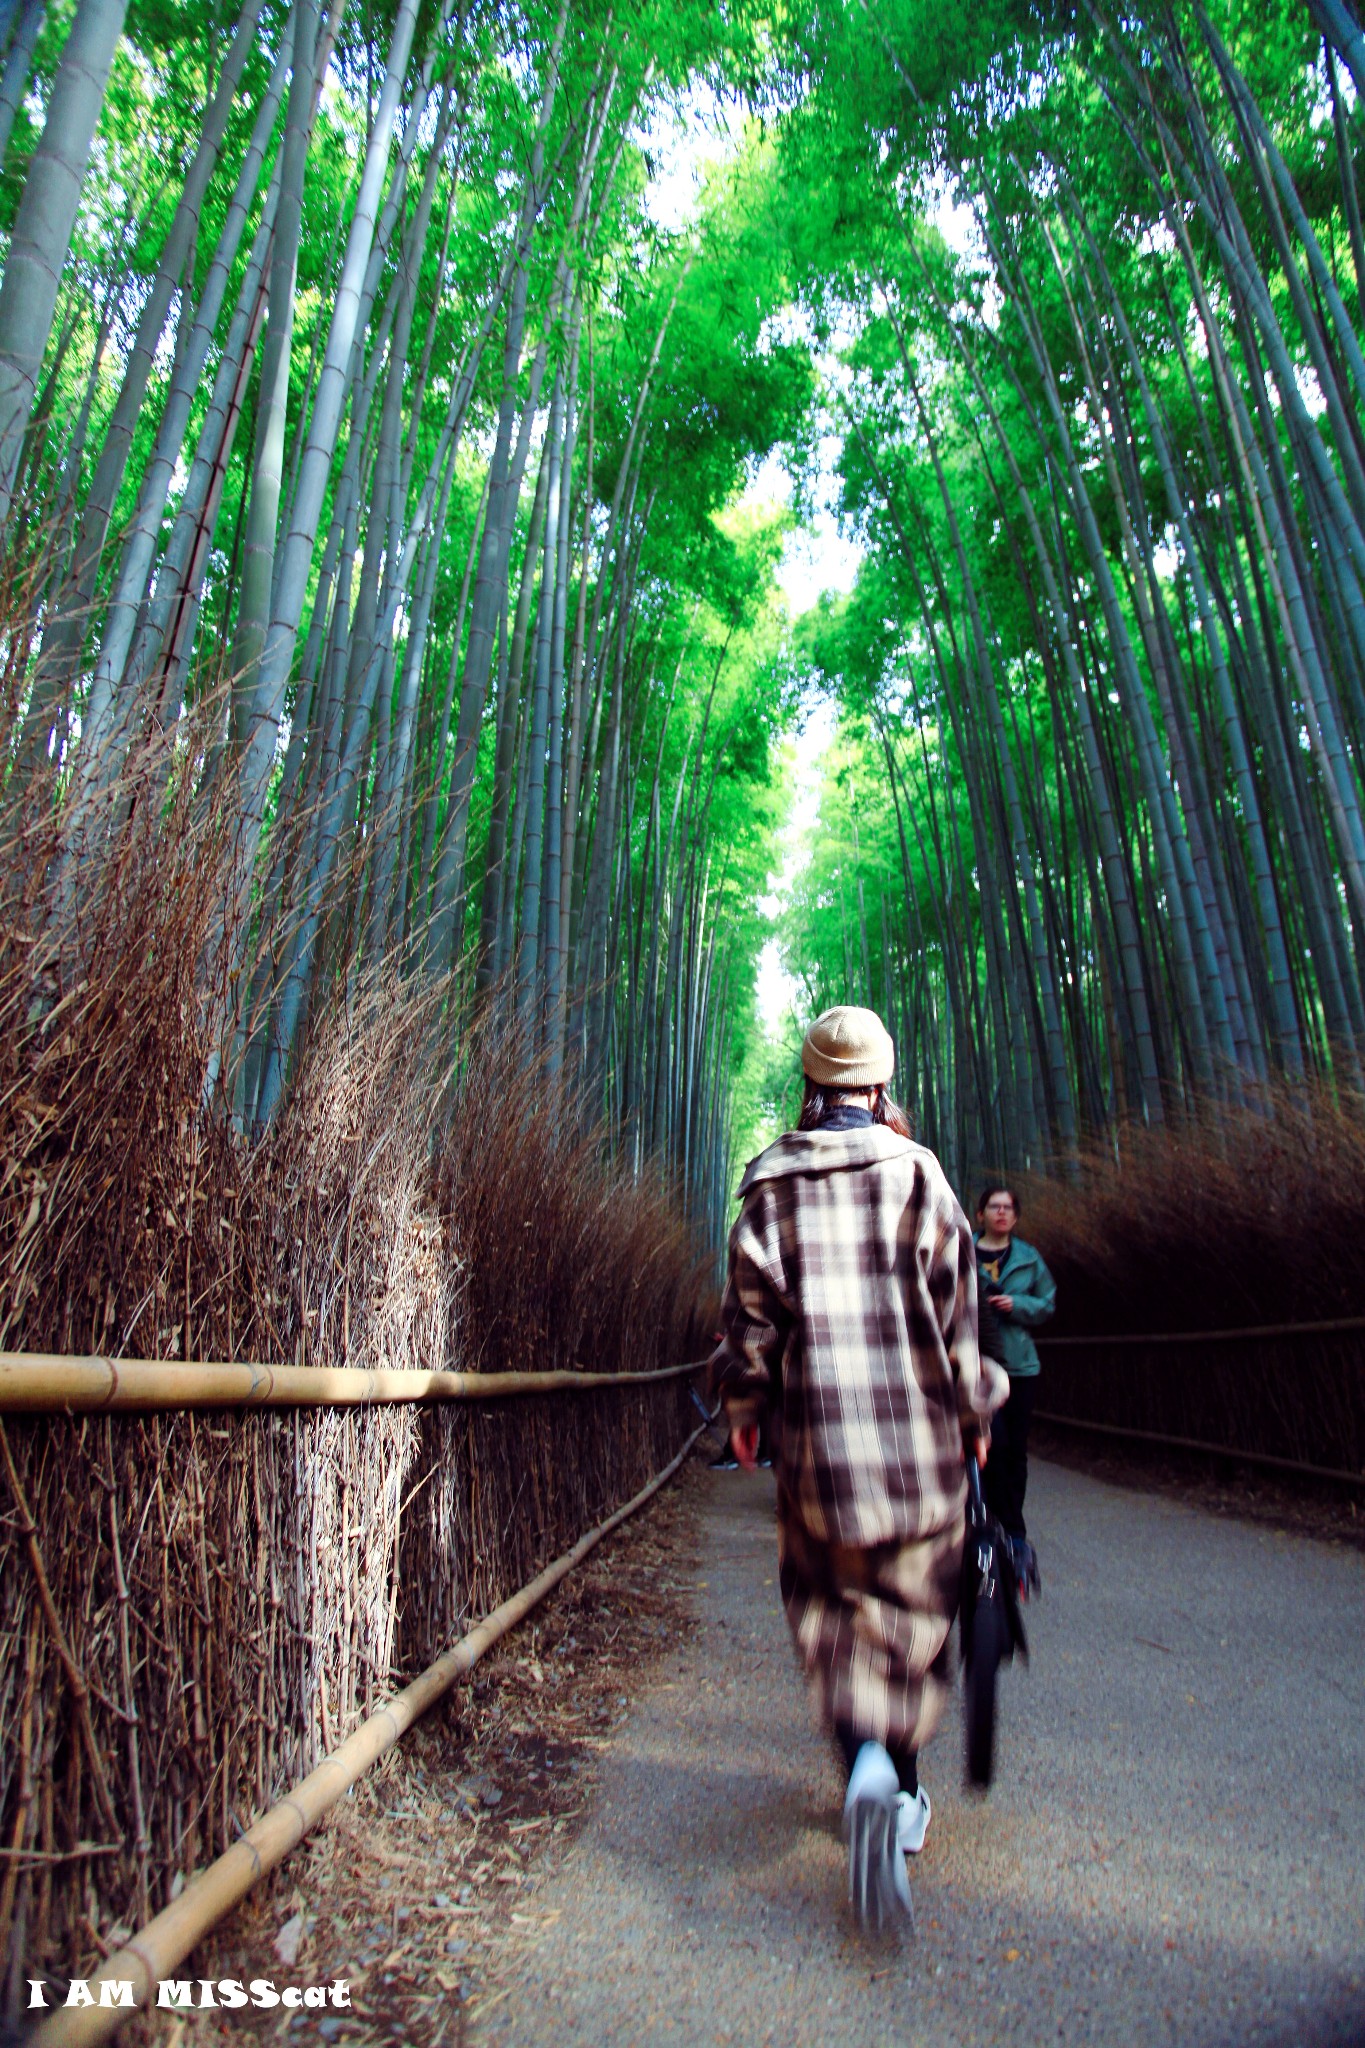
(848, 1048)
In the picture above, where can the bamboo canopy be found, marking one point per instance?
(34, 1384)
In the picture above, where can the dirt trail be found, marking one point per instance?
(1174, 1852)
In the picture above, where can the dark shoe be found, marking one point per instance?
(1026, 1573)
(726, 1462)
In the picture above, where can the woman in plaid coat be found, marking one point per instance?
(852, 1299)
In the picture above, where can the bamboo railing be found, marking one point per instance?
(1333, 1326)
(34, 1383)
(1284, 1397)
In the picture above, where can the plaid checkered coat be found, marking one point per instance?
(852, 1291)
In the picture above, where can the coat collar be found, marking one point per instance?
(824, 1152)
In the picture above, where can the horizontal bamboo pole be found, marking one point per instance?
(159, 1947)
(1190, 1443)
(1336, 1326)
(32, 1383)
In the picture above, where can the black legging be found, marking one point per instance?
(903, 1759)
(1007, 1461)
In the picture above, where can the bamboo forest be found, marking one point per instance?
(545, 546)
(401, 482)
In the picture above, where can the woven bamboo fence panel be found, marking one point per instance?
(228, 1594)
(1291, 1394)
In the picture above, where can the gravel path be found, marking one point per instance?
(1174, 1851)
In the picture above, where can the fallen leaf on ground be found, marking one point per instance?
(288, 1939)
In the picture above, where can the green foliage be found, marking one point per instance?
(1090, 831)
(958, 873)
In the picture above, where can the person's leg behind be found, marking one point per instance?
(1006, 1472)
(1006, 1478)
(1023, 1394)
(904, 1760)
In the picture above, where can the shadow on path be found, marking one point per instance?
(1174, 1851)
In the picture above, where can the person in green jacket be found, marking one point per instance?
(1013, 1278)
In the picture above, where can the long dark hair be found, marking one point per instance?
(819, 1102)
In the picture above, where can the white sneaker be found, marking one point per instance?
(878, 1887)
(913, 1813)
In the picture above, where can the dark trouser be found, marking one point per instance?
(1007, 1463)
(903, 1759)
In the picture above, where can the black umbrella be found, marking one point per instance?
(992, 1625)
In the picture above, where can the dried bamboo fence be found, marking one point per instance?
(160, 1947)
(195, 1606)
(1287, 1396)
